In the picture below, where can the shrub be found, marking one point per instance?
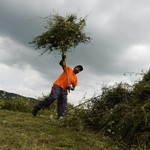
(121, 112)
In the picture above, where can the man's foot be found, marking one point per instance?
(60, 117)
(34, 112)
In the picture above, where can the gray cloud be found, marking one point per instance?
(120, 31)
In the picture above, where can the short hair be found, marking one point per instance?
(81, 68)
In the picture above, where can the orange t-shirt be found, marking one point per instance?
(62, 80)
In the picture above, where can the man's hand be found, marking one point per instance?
(70, 88)
(63, 56)
(62, 63)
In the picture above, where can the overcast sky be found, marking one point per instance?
(121, 44)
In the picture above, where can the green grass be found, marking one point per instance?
(22, 131)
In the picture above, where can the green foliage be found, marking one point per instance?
(141, 89)
(7, 95)
(62, 33)
(121, 112)
(75, 118)
(17, 104)
(22, 104)
(113, 95)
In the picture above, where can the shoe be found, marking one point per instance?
(34, 112)
(60, 117)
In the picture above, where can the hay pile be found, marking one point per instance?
(62, 33)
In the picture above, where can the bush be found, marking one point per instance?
(121, 112)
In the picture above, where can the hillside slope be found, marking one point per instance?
(6, 95)
(20, 130)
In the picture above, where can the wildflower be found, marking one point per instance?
(27, 103)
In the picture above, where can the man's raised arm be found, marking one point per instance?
(62, 63)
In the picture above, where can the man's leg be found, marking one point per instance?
(62, 103)
(48, 100)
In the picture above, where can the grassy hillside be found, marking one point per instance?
(22, 131)
(7, 95)
(119, 118)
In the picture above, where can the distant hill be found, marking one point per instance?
(6, 95)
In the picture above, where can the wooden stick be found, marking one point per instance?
(66, 68)
(67, 72)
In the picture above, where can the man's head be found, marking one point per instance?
(77, 69)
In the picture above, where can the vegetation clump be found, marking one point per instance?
(63, 33)
(121, 112)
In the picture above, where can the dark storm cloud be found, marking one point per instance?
(116, 28)
(14, 16)
(120, 31)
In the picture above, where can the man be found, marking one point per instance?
(59, 89)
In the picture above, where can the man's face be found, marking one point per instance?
(76, 70)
